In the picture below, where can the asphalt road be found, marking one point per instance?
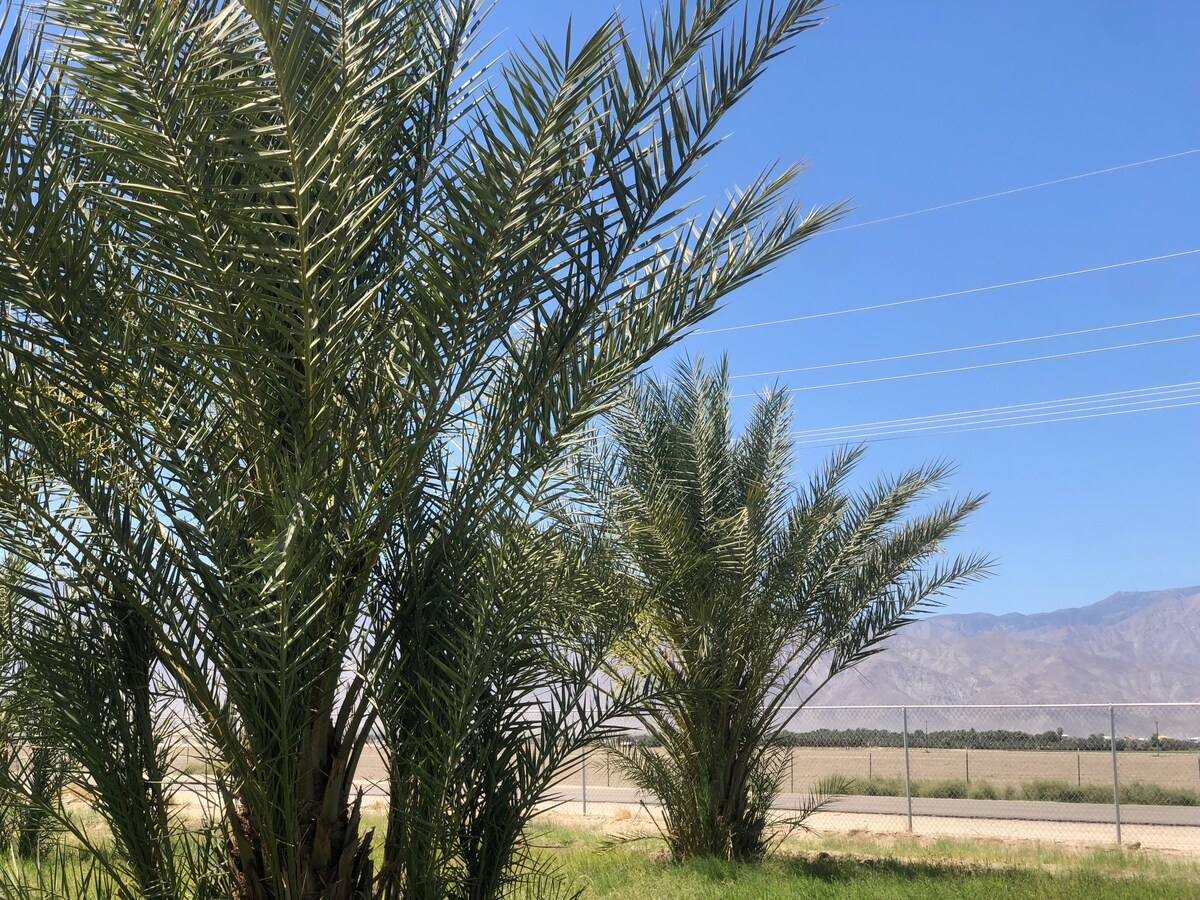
(1011, 810)
(1006, 810)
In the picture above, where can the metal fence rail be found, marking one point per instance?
(1088, 773)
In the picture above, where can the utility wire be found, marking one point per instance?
(979, 290)
(1009, 192)
(1066, 415)
(1044, 412)
(993, 365)
(1040, 414)
(986, 411)
(1027, 340)
(1048, 421)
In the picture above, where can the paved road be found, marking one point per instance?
(1021, 810)
(1008, 810)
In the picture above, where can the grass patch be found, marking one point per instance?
(852, 867)
(1057, 791)
(1117, 862)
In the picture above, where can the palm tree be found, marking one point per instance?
(30, 759)
(300, 308)
(754, 594)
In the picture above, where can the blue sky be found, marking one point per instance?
(900, 107)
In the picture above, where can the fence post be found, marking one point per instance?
(792, 769)
(1112, 726)
(583, 779)
(967, 764)
(908, 772)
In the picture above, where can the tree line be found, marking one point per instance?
(970, 739)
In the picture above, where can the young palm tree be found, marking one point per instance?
(299, 310)
(754, 594)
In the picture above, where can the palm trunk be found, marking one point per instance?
(332, 857)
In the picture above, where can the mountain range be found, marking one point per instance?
(1130, 647)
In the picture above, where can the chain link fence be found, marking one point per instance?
(1084, 773)
(1090, 774)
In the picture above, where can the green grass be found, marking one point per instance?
(850, 868)
(1113, 862)
(1060, 791)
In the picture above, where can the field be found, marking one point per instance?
(1002, 768)
(1017, 774)
(999, 768)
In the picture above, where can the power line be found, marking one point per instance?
(1009, 192)
(994, 365)
(987, 411)
(1039, 414)
(1188, 401)
(1027, 340)
(1174, 396)
(979, 290)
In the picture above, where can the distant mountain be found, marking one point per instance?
(1130, 647)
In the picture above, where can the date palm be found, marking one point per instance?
(300, 306)
(754, 594)
(27, 758)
